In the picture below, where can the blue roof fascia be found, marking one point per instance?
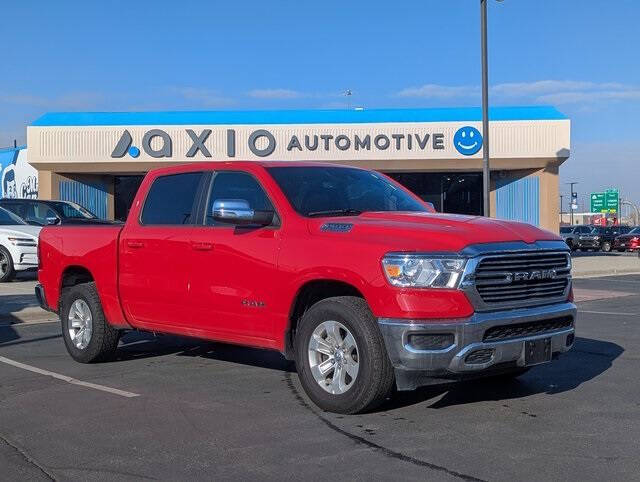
(296, 116)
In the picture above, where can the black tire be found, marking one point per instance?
(621, 250)
(606, 246)
(10, 272)
(104, 338)
(375, 379)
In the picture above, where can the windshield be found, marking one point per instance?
(635, 231)
(335, 191)
(9, 219)
(72, 210)
(598, 230)
(565, 230)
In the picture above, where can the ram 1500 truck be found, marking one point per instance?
(339, 268)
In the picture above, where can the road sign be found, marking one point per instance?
(597, 202)
(605, 202)
(611, 200)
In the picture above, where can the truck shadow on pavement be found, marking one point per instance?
(587, 360)
(136, 345)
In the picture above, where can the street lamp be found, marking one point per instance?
(573, 201)
(486, 171)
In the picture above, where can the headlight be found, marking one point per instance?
(23, 242)
(423, 270)
(596, 238)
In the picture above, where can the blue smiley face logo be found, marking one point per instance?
(467, 140)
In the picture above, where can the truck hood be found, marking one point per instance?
(411, 231)
(20, 230)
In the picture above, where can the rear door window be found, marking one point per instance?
(172, 200)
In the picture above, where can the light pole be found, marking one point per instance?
(572, 200)
(486, 171)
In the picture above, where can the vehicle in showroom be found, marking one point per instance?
(43, 212)
(18, 245)
(629, 241)
(339, 268)
(600, 238)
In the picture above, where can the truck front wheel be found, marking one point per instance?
(341, 358)
(87, 334)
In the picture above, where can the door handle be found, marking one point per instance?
(135, 244)
(202, 246)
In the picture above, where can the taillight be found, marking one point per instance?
(39, 256)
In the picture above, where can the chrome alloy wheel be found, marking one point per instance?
(4, 264)
(333, 357)
(80, 324)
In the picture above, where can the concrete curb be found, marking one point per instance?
(603, 273)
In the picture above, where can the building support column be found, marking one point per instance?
(48, 187)
(549, 196)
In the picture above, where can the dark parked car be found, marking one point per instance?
(41, 213)
(570, 234)
(593, 237)
(629, 241)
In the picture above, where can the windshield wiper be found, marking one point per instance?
(335, 212)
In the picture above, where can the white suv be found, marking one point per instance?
(18, 245)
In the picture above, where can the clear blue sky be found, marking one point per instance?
(580, 56)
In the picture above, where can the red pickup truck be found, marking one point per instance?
(339, 268)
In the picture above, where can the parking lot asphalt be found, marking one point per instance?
(175, 408)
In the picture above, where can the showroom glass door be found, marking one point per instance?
(449, 192)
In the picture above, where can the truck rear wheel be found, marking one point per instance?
(7, 271)
(87, 334)
(341, 358)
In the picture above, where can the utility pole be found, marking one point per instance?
(574, 199)
(486, 171)
(561, 213)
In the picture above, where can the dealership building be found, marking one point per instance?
(98, 159)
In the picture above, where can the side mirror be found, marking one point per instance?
(53, 221)
(237, 211)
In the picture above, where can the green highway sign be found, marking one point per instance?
(605, 202)
(597, 202)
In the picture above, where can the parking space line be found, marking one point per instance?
(67, 379)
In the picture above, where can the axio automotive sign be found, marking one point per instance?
(158, 143)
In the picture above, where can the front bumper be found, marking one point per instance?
(25, 259)
(627, 245)
(415, 367)
(588, 243)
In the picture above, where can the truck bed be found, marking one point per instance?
(73, 251)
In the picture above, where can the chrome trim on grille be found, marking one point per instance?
(495, 289)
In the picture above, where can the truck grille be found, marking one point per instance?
(523, 278)
(532, 328)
